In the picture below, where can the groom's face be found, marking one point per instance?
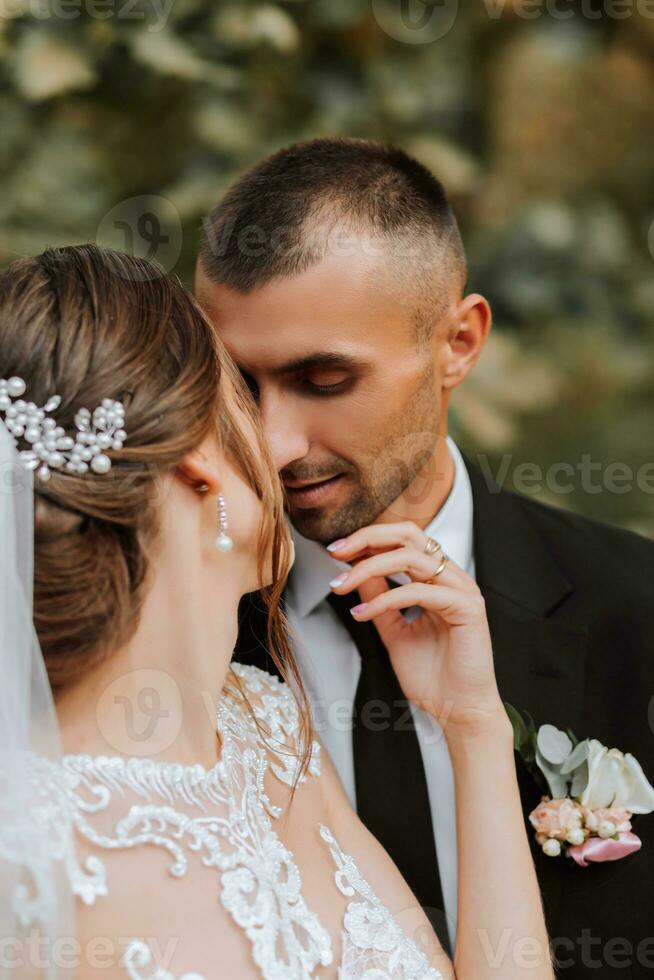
(349, 400)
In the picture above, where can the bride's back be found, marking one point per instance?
(209, 871)
(234, 871)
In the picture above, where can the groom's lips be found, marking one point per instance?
(306, 495)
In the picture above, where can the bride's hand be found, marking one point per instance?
(444, 658)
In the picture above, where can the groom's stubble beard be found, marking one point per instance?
(393, 460)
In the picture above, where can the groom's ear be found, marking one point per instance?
(466, 336)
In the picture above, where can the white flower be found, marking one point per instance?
(615, 779)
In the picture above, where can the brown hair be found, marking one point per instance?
(88, 323)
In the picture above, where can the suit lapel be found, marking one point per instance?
(539, 660)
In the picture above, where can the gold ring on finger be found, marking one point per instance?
(432, 546)
(443, 562)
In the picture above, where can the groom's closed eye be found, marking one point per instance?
(321, 375)
(319, 385)
(323, 383)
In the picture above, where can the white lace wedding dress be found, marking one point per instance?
(223, 820)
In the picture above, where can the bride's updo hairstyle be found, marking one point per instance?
(87, 323)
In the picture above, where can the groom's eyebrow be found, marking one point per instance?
(321, 359)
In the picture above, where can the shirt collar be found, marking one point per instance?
(314, 567)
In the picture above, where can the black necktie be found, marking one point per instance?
(391, 787)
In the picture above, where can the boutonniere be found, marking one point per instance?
(592, 792)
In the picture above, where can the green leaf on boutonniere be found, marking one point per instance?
(520, 732)
(525, 738)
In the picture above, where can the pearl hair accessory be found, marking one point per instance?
(51, 448)
(223, 541)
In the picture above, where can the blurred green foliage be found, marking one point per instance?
(538, 119)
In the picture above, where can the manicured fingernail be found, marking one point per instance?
(360, 608)
(335, 545)
(339, 579)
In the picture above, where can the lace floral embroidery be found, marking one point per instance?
(374, 946)
(277, 711)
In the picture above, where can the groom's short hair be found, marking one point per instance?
(275, 221)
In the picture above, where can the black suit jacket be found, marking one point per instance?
(570, 604)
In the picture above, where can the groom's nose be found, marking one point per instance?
(283, 427)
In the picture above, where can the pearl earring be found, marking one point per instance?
(223, 541)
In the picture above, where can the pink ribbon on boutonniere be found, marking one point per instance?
(604, 849)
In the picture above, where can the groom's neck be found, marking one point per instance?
(427, 492)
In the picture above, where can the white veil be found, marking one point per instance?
(36, 903)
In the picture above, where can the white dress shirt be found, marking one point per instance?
(329, 664)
